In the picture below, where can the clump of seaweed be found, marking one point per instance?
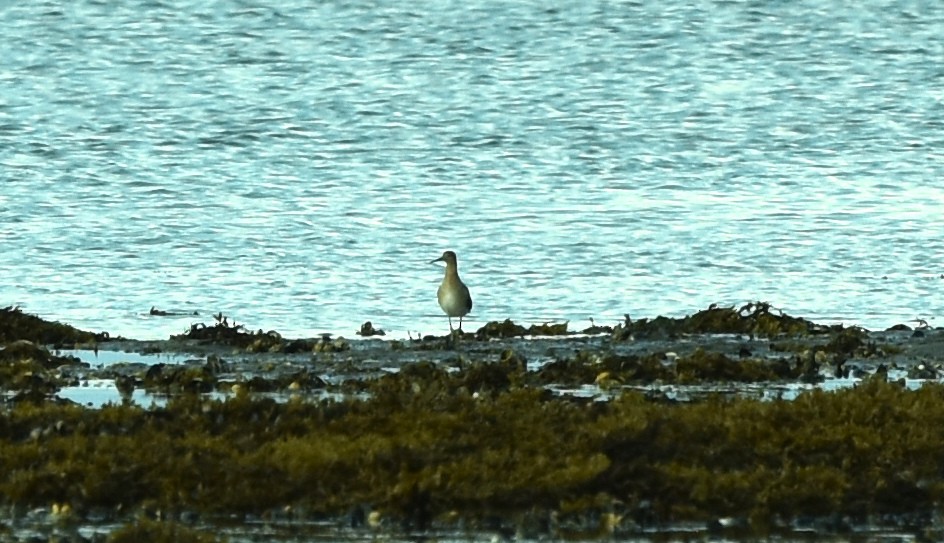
(30, 370)
(704, 365)
(847, 341)
(547, 329)
(167, 378)
(595, 329)
(28, 380)
(609, 368)
(302, 380)
(428, 380)
(587, 366)
(16, 325)
(367, 329)
(754, 319)
(223, 332)
(505, 329)
(155, 312)
(509, 329)
(229, 333)
(25, 350)
(328, 345)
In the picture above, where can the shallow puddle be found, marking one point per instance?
(96, 393)
(108, 358)
(762, 390)
(99, 392)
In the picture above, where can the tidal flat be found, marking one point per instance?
(733, 422)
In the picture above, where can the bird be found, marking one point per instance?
(453, 295)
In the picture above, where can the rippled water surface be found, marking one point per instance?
(297, 165)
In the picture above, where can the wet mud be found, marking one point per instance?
(739, 421)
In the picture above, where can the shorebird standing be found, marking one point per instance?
(453, 295)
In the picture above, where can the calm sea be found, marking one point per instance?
(296, 165)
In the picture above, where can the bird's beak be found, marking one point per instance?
(440, 259)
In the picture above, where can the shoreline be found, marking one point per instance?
(739, 420)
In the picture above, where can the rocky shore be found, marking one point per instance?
(735, 420)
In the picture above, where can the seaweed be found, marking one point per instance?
(16, 325)
(477, 438)
(224, 332)
(504, 329)
(367, 329)
(31, 370)
(426, 447)
(753, 319)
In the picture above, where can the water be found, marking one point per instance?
(296, 165)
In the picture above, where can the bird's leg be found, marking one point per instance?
(450, 325)
(460, 325)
